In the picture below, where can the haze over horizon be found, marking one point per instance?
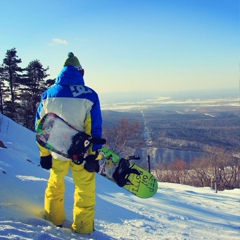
(200, 95)
(138, 45)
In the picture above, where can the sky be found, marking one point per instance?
(126, 46)
(175, 212)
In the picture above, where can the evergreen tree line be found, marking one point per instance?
(21, 88)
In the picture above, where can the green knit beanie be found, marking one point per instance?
(72, 61)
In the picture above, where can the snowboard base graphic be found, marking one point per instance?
(55, 134)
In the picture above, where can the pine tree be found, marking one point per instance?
(33, 84)
(11, 74)
(1, 90)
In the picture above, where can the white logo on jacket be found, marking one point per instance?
(77, 90)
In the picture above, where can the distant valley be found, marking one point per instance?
(181, 127)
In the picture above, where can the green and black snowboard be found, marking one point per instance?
(55, 134)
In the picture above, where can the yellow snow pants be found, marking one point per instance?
(84, 196)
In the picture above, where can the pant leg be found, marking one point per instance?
(54, 194)
(84, 199)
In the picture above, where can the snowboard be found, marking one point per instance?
(57, 135)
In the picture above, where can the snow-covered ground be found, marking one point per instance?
(175, 212)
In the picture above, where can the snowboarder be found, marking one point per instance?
(79, 105)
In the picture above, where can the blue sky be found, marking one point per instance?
(129, 45)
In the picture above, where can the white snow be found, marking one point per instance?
(175, 212)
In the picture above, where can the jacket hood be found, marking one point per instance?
(70, 76)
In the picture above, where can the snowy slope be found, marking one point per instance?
(175, 212)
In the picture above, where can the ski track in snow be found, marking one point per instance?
(152, 221)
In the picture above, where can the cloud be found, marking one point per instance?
(56, 41)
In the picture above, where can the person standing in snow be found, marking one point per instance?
(79, 105)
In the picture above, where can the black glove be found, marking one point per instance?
(46, 162)
(91, 164)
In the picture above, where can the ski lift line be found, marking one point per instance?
(146, 134)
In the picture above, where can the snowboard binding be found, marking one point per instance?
(122, 172)
(80, 144)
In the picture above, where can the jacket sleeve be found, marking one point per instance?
(93, 124)
(43, 151)
(40, 110)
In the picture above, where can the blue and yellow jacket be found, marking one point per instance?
(74, 102)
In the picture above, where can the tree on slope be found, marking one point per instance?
(2, 85)
(124, 135)
(32, 86)
(11, 74)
